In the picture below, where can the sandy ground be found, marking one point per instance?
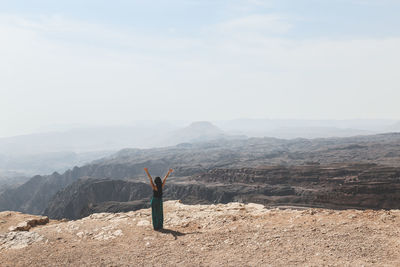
(208, 235)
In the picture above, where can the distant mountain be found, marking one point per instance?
(112, 138)
(164, 133)
(58, 151)
(45, 163)
(82, 140)
(201, 131)
(315, 132)
(394, 128)
(160, 134)
(289, 129)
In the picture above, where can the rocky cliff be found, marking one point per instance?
(335, 186)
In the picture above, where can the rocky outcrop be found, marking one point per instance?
(16, 230)
(28, 224)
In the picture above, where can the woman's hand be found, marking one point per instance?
(146, 169)
(170, 170)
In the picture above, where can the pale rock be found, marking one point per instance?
(80, 234)
(118, 233)
(18, 240)
(143, 223)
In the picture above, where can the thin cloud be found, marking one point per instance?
(263, 24)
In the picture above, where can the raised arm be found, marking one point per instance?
(166, 176)
(151, 179)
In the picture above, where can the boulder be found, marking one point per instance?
(30, 223)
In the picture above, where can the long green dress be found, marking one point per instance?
(157, 212)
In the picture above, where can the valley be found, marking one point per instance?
(356, 172)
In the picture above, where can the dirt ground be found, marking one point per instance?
(208, 235)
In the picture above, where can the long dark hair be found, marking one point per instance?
(158, 183)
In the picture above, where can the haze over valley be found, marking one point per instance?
(44, 153)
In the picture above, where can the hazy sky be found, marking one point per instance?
(114, 62)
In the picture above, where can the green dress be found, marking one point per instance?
(157, 212)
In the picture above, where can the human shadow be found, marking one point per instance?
(174, 233)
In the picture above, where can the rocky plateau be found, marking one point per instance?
(233, 234)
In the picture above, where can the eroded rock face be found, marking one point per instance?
(90, 195)
(333, 186)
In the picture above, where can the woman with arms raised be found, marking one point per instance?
(156, 201)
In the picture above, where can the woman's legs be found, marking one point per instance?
(157, 213)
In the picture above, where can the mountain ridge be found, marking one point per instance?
(198, 158)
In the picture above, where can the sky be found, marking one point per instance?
(95, 62)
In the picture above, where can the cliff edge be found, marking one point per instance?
(232, 234)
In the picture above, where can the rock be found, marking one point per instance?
(103, 235)
(23, 226)
(30, 223)
(18, 240)
(80, 234)
(143, 223)
(43, 220)
(117, 233)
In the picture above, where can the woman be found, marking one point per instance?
(156, 201)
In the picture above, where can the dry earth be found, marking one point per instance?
(231, 234)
